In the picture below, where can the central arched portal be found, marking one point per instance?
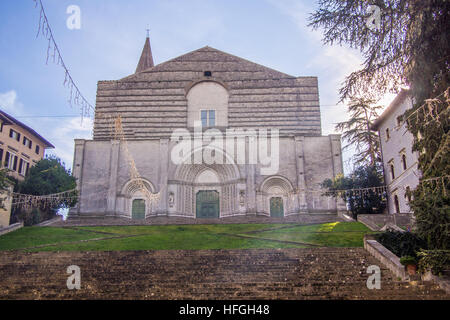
(276, 207)
(207, 190)
(207, 204)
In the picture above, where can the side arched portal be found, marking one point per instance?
(274, 197)
(137, 205)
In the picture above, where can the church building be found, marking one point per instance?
(138, 166)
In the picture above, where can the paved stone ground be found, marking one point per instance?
(316, 273)
(164, 220)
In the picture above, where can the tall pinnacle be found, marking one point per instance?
(146, 60)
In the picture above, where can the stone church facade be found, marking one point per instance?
(222, 92)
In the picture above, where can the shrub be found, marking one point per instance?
(407, 260)
(367, 201)
(401, 243)
(32, 216)
(435, 261)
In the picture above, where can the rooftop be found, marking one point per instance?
(402, 95)
(9, 120)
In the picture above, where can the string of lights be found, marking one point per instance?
(428, 108)
(54, 55)
(27, 201)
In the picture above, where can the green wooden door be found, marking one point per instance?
(276, 207)
(207, 204)
(138, 209)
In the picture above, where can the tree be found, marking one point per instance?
(48, 176)
(430, 125)
(407, 45)
(5, 183)
(365, 201)
(356, 131)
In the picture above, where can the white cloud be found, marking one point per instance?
(331, 63)
(9, 103)
(63, 134)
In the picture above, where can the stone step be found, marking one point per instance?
(317, 273)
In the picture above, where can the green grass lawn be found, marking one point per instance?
(338, 234)
(185, 237)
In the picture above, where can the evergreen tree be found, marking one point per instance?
(357, 132)
(407, 43)
(369, 200)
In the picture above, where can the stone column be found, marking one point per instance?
(336, 156)
(77, 172)
(113, 171)
(163, 175)
(251, 189)
(300, 164)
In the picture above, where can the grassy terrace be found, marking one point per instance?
(185, 237)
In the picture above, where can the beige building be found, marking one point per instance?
(20, 148)
(399, 161)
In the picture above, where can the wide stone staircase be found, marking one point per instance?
(316, 273)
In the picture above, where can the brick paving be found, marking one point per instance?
(312, 273)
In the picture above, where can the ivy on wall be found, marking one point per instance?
(430, 124)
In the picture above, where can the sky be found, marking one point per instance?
(273, 33)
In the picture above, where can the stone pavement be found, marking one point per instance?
(164, 220)
(312, 273)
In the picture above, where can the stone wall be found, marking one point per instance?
(102, 169)
(377, 221)
(156, 101)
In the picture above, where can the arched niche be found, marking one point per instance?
(207, 176)
(207, 96)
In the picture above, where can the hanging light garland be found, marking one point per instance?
(134, 173)
(429, 109)
(54, 55)
(28, 201)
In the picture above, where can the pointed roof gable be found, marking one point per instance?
(153, 102)
(146, 60)
(209, 58)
